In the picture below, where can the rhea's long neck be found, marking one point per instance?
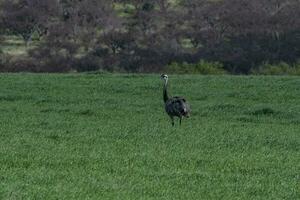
(166, 97)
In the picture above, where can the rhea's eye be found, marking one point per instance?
(164, 76)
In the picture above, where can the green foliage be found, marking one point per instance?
(281, 68)
(106, 136)
(202, 67)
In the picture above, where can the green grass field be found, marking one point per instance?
(104, 136)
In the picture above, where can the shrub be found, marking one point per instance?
(1, 61)
(88, 63)
(53, 56)
(280, 68)
(9, 63)
(202, 67)
(23, 63)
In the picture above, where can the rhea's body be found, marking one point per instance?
(174, 106)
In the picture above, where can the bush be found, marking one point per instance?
(281, 68)
(9, 63)
(46, 63)
(2, 62)
(53, 57)
(202, 67)
(88, 63)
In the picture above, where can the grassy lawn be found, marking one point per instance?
(103, 136)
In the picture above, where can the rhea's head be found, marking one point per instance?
(164, 77)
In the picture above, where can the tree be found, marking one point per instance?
(242, 34)
(147, 35)
(26, 17)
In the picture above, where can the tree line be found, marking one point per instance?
(239, 36)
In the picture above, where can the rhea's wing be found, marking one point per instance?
(179, 98)
(178, 106)
(184, 103)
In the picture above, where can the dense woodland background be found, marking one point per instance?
(191, 36)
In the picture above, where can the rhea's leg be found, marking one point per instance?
(180, 118)
(172, 120)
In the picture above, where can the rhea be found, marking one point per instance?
(174, 106)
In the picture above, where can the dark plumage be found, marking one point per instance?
(174, 106)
